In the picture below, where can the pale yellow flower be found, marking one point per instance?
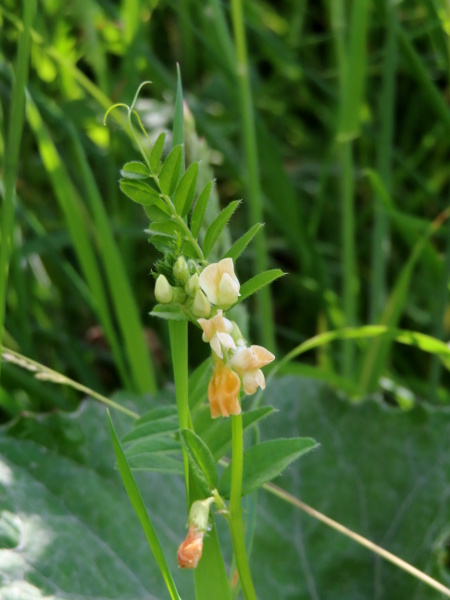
(223, 391)
(216, 332)
(247, 363)
(220, 284)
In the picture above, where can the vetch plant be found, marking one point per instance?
(191, 288)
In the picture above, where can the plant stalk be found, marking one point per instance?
(236, 522)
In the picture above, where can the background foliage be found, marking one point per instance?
(352, 122)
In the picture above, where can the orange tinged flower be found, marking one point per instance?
(247, 362)
(190, 549)
(223, 392)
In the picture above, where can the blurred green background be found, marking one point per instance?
(350, 113)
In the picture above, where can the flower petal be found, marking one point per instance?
(223, 392)
(228, 291)
(252, 380)
(209, 282)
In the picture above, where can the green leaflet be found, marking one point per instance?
(142, 193)
(265, 461)
(135, 170)
(217, 226)
(170, 172)
(184, 194)
(201, 461)
(167, 311)
(155, 154)
(155, 463)
(259, 281)
(198, 213)
(241, 244)
(150, 428)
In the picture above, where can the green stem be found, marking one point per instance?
(264, 298)
(236, 522)
(12, 151)
(178, 332)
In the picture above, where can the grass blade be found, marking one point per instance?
(139, 507)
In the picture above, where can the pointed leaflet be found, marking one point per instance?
(217, 226)
(201, 460)
(259, 281)
(167, 311)
(170, 173)
(158, 427)
(135, 170)
(199, 209)
(155, 154)
(142, 193)
(184, 194)
(241, 244)
(265, 461)
(156, 462)
(138, 505)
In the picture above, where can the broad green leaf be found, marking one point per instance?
(201, 461)
(184, 194)
(142, 193)
(198, 213)
(265, 461)
(216, 433)
(157, 445)
(170, 172)
(379, 471)
(155, 154)
(167, 311)
(241, 244)
(156, 214)
(135, 170)
(156, 463)
(138, 504)
(159, 412)
(58, 484)
(259, 281)
(169, 424)
(216, 227)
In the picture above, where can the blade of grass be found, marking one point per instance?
(264, 300)
(375, 360)
(380, 240)
(138, 504)
(127, 312)
(12, 148)
(74, 213)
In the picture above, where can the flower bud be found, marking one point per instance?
(164, 292)
(201, 306)
(190, 549)
(192, 285)
(181, 270)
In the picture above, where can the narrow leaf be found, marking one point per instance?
(142, 193)
(170, 173)
(178, 119)
(135, 170)
(198, 213)
(153, 445)
(159, 412)
(265, 461)
(259, 281)
(241, 244)
(168, 311)
(155, 154)
(184, 194)
(201, 460)
(139, 507)
(217, 226)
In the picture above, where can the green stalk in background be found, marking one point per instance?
(12, 147)
(351, 67)
(380, 242)
(264, 298)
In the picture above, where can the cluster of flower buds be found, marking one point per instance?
(187, 291)
(190, 549)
